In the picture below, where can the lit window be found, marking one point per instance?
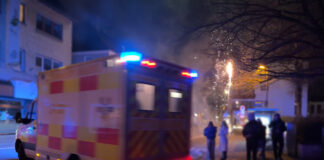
(175, 97)
(145, 96)
(22, 13)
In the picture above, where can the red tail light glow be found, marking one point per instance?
(184, 158)
(148, 63)
(192, 74)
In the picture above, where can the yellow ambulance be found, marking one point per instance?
(122, 107)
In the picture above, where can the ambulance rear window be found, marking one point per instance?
(145, 96)
(175, 97)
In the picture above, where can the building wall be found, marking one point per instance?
(36, 42)
(20, 43)
(18, 68)
(78, 57)
(281, 95)
(10, 40)
(2, 31)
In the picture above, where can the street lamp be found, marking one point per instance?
(264, 71)
(262, 67)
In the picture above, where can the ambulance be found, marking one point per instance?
(121, 107)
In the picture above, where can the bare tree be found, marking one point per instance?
(285, 35)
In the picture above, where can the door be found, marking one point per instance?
(143, 117)
(158, 118)
(176, 118)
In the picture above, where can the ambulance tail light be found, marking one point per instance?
(192, 74)
(184, 158)
(130, 57)
(148, 63)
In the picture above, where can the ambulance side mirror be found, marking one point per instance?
(18, 117)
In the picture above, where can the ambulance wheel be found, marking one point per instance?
(73, 157)
(20, 150)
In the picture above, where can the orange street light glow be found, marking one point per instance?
(262, 67)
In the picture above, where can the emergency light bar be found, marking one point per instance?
(192, 74)
(148, 63)
(130, 56)
(133, 56)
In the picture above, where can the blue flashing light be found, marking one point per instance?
(130, 56)
(194, 74)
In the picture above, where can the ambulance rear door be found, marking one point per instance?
(158, 113)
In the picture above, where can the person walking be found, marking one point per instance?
(223, 141)
(251, 132)
(262, 139)
(278, 127)
(210, 133)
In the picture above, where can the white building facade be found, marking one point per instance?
(83, 56)
(281, 95)
(33, 38)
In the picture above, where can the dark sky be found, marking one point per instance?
(141, 25)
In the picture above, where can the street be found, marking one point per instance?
(198, 149)
(7, 150)
(236, 149)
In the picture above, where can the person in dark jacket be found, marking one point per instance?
(251, 132)
(210, 133)
(278, 127)
(262, 139)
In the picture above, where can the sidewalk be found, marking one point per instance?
(236, 149)
(7, 147)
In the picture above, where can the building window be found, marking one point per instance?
(319, 109)
(0, 6)
(57, 64)
(58, 30)
(22, 13)
(22, 60)
(48, 26)
(311, 110)
(39, 22)
(38, 61)
(47, 63)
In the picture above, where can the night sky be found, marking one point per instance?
(141, 25)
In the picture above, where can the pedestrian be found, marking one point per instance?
(251, 132)
(210, 133)
(262, 139)
(278, 127)
(223, 141)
